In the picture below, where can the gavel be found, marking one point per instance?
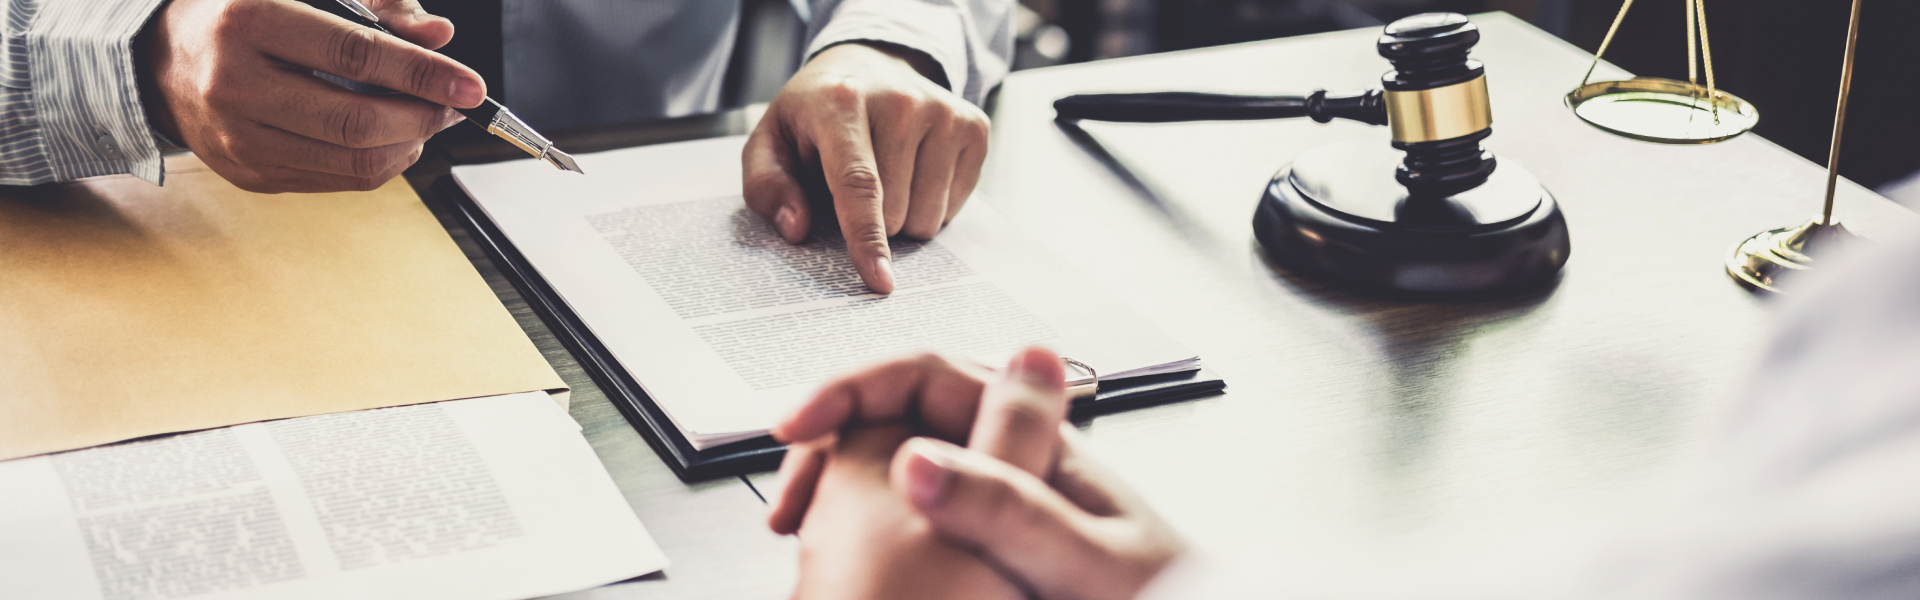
(1452, 219)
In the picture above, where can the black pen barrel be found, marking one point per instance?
(483, 114)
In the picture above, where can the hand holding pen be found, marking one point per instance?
(489, 115)
(232, 80)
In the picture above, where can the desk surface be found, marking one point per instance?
(1463, 434)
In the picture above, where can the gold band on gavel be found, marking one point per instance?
(1440, 113)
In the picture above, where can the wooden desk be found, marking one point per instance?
(1482, 435)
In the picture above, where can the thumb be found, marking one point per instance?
(1008, 514)
(1021, 412)
(405, 18)
(769, 185)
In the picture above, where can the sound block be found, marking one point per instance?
(1337, 213)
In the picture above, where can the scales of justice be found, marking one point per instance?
(1436, 214)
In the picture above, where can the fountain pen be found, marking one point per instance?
(491, 114)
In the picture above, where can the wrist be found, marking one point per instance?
(148, 47)
(919, 62)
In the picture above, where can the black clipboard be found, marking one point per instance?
(746, 456)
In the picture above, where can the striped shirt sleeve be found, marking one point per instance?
(972, 40)
(69, 101)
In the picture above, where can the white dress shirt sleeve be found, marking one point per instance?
(69, 100)
(972, 40)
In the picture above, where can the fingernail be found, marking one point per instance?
(453, 118)
(783, 220)
(1026, 367)
(466, 92)
(927, 476)
(883, 269)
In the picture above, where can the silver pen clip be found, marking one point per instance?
(360, 9)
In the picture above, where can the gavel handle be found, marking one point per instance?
(1170, 107)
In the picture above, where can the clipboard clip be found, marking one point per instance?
(1083, 382)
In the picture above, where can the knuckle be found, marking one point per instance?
(420, 75)
(365, 163)
(845, 96)
(1003, 504)
(235, 20)
(236, 147)
(399, 164)
(872, 236)
(895, 101)
(354, 51)
(222, 93)
(426, 119)
(976, 129)
(942, 129)
(1028, 414)
(763, 184)
(252, 183)
(940, 112)
(928, 359)
(862, 178)
(366, 184)
(252, 180)
(354, 124)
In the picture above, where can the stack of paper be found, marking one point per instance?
(495, 497)
(726, 326)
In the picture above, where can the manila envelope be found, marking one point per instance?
(129, 310)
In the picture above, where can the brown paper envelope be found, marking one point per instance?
(129, 310)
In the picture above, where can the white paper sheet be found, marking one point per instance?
(727, 326)
(496, 497)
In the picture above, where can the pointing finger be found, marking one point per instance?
(853, 176)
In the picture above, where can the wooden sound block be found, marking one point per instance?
(1337, 213)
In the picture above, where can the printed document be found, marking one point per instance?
(727, 326)
(496, 497)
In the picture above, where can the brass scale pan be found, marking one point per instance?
(1664, 110)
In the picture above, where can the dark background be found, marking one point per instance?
(1784, 56)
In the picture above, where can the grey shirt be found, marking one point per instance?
(570, 63)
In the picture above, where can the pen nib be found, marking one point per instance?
(563, 160)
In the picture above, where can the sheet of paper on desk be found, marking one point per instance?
(129, 309)
(726, 326)
(496, 497)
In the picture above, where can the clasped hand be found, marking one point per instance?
(233, 80)
(996, 498)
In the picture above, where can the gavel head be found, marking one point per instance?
(1436, 100)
